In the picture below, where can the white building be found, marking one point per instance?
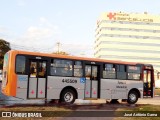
(129, 37)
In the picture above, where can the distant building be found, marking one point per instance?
(128, 37)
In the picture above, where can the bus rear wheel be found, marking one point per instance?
(132, 97)
(68, 96)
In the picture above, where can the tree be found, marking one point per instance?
(4, 47)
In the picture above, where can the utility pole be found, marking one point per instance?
(58, 46)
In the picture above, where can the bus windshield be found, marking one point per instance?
(5, 64)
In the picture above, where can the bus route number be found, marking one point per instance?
(69, 81)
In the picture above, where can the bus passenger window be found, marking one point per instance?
(61, 67)
(67, 69)
(121, 72)
(133, 72)
(109, 71)
(78, 71)
(20, 64)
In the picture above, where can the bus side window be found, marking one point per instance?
(61, 67)
(121, 72)
(78, 71)
(133, 72)
(20, 64)
(109, 71)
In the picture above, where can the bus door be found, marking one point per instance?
(92, 79)
(148, 83)
(37, 79)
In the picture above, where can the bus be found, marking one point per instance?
(32, 75)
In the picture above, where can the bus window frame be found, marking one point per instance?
(25, 70)
(103, 67)
(116, 66)
(52, 60)
(140, 72)
(74, 61)
(126, 70)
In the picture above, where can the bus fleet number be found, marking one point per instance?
(69, 81)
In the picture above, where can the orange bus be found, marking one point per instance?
(31, 75)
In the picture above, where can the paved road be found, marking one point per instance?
(152, 101)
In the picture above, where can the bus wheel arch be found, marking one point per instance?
(133, 96)
(68, 91)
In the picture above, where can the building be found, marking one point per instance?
(129, 37)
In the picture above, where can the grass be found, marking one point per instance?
(152, 109)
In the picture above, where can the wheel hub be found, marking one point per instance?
(68, 97)
(132, 97)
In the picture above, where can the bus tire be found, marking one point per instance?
(68, 96)
(132, 97)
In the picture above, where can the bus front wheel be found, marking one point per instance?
(68, 96)
(132, 97)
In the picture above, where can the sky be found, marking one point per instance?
(40, 24)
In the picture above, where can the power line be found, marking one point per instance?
(76, 49)
(30, 48)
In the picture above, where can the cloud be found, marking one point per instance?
(38, 33)
(5, 33)
(40, 36)
(43, 36)
(44, 22)
(37, 37)
(21, 2)
(2, 29)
